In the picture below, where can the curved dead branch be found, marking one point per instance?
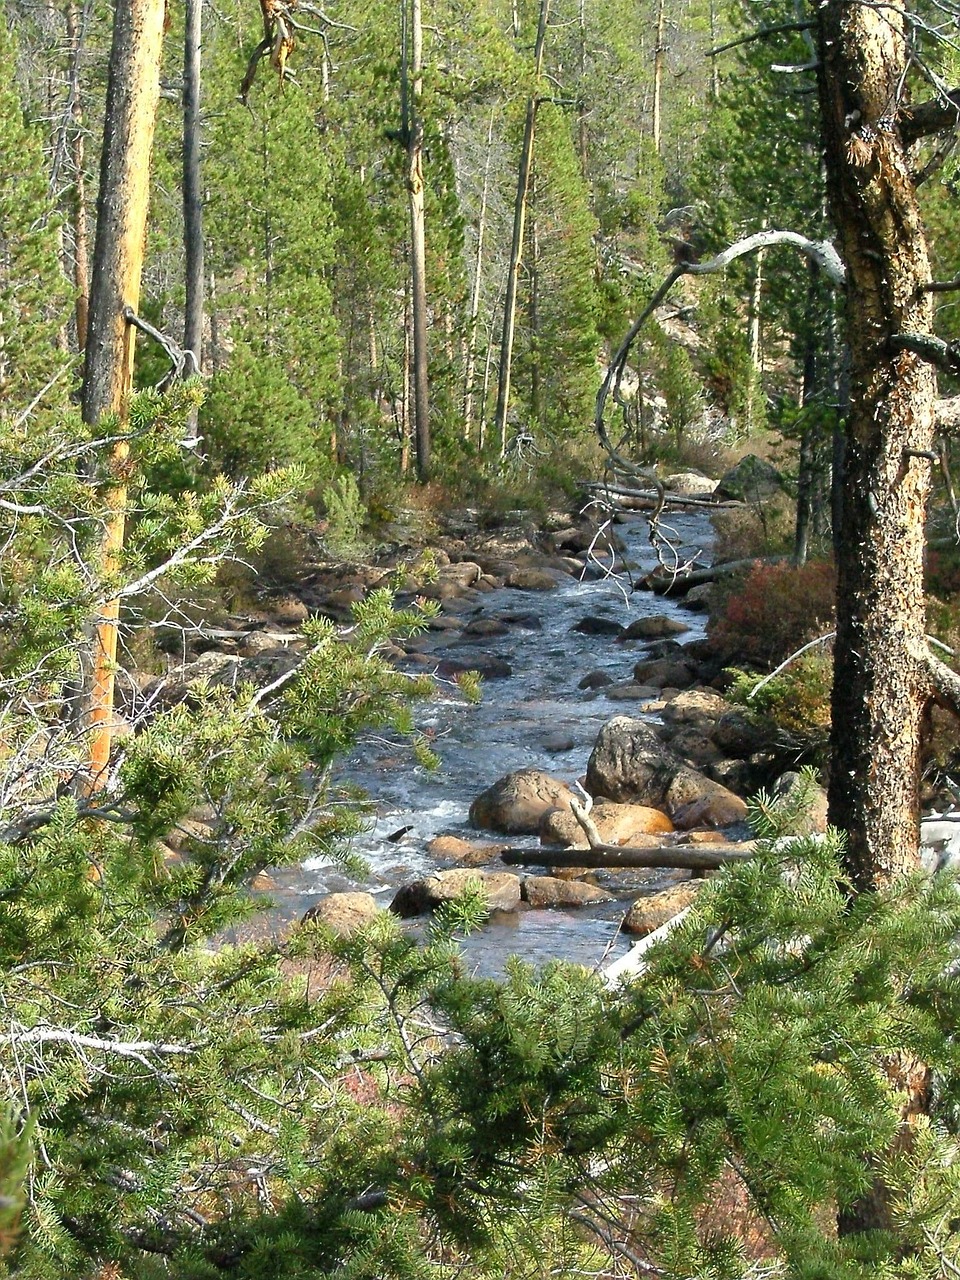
(822, 252)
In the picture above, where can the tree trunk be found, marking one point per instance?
(658, 60)
(192, 190)
(411, 90)
(133, 92)
(881, 683)
(471, 362)
(516, 246)
(81, 252)
(880, 686)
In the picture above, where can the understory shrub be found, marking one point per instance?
(793, 707)
(775, 611)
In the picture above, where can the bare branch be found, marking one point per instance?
(944, 355)
(820, 251)
(685, 857)
(781, 28)
(933, 116)
(944, 682)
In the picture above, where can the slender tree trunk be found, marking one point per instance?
(406, 408)
(756, 312)
(192, 190)
(881, 688)
(81, 251)
(133, 92)
(516, 246)
(471, 362)
(809, 437)
(807, 460)
(536, 376)
(659, 54)
(411, 91)
(582, 134)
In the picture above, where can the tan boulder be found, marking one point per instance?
(622, 824)
(500, 888)
(650, 913)
(524, 579)
(549, 891)
(701, 708)
(343, 913)
(516, 802)
(469, 853)
(693, 800)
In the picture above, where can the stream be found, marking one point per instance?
(519, 723)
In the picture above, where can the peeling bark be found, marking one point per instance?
(880, 691)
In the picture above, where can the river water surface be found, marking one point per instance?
(511, 728)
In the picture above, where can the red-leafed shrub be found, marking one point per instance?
(774, 611)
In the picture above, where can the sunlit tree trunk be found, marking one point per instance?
(192, 190)
(133, 91)
(411, 91)
(471, 361)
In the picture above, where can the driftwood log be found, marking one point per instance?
(615, 857)
(665, 584)
(645, 499)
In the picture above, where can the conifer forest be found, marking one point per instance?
(363, 365)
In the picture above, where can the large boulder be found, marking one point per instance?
(665, 673)
(481, 628)
(523, 579)
(547, 891)
(751, 480)
(500, 888)
(652, 912)
(516, 802)
(629, 764)
(738, 735)
(656, 627)
(623, 824)
(690, 484)
(596, 624)
(699, 708)
(787, 789)
(469, 853)
(487, 665)
(693, 800)
(343, 913)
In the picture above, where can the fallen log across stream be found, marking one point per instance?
(646, 499)
(614, 857)
(663, 584)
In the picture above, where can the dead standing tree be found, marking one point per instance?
(133, 93)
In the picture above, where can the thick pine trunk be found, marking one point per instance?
(880, 689)
(881, 684)
(133, 92)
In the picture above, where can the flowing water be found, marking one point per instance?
(511, 728)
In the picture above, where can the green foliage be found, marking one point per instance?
(34, 297)
(254, 419)
(345, 537)
(794, 706)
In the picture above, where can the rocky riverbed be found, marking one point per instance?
(589, 687)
